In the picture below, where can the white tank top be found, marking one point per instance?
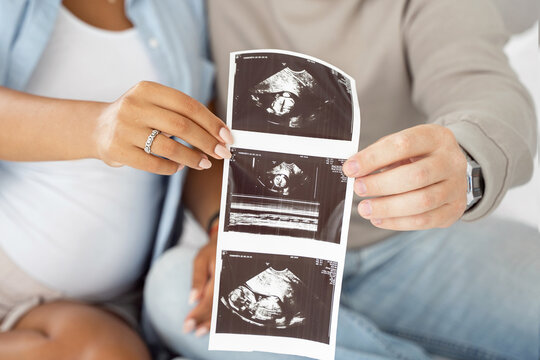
(82, 227)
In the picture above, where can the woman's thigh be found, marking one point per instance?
(471, 291)
(69, 330)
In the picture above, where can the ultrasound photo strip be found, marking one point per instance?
(285, 205)
(285, 194)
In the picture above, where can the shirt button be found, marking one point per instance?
(153, 42)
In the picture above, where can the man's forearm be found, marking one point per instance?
(36, 128)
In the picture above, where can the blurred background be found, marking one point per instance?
(523, 203)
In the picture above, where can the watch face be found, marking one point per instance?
(477, 182)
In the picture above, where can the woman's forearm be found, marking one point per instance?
(36, 128)
(202, 192)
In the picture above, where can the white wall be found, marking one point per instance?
(523, 203)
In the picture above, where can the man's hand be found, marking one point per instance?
(202, 289)
(415, 179)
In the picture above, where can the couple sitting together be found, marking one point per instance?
(93, 95)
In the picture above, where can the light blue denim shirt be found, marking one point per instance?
(174, 32)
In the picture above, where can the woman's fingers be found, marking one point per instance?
(200, 276)
(187, 130)
(202, 312)
(202, 290)
(128, 122)
(138, 159)
(173, 150)
(203, 328)
(185, 105)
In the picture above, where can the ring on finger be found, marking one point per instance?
(150, 140)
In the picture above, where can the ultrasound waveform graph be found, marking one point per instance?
(276, 295)
(290, 95)
(285, 194)
(285, 214)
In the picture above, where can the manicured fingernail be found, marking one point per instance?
(180, 167)
(201, 331)
(350, 168)
(205, 164)
(365, 208)
(222, 152)
(226, 135)
(359, 187)
(189, 326)
(193, 295)
(376, 221)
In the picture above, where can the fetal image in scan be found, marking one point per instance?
(289, 95)
(284, 178)
(285, 194)
(268, 299)
(276, 295)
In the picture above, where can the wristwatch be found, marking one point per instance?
(475, 181)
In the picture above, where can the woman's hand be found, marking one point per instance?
(202, 290)
(124, 126)
(416, 179)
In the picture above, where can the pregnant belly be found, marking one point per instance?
(80, 227)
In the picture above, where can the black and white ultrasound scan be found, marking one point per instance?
(290, 95)
(285, 205)
(284, 194)
(276, 295)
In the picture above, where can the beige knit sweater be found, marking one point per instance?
(414, 61)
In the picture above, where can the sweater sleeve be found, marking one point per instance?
(462, 80)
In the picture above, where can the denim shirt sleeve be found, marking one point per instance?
(25, 28)
(174, 33)
(11, 13)
(176, 38)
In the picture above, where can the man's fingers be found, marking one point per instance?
(410, 203)
(409, 143)
(401, 179)
(185, 105)
(173, 150)
(187, 130)
(441, 217)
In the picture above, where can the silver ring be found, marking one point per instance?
(150, 140)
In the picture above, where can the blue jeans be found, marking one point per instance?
(468, 292)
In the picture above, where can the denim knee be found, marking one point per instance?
(166, 295)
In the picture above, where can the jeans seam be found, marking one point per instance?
(388, 347)
(450, 348)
